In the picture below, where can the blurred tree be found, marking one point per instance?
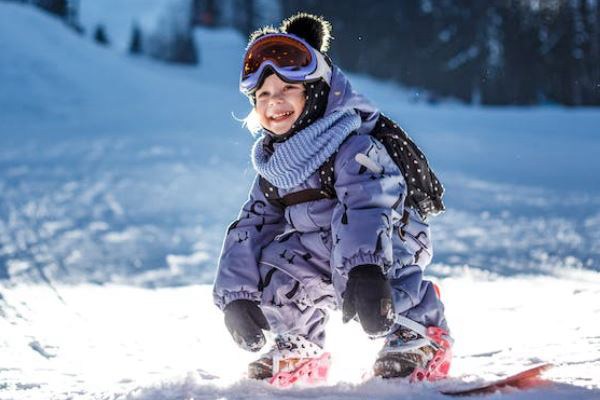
(250, 15)
(68, 10)
(205, 13)
(517, 82)
(100, 36)
(173, 40)
(72, 16)
(56, 7)
(495, 52)
(592, 20)
(135, 43)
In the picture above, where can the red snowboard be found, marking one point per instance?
(523, 380)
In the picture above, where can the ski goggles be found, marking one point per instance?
(289, 56)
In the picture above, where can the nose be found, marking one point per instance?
(276, 97)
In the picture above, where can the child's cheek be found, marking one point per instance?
(260, 116)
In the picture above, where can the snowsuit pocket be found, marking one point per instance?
(301, 257)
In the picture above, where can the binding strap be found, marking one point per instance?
(421, 330)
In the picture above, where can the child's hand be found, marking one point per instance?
(369, 295)
(245, 321)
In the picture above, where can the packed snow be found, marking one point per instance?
(119, 176)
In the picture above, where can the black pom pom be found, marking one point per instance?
(315, 30)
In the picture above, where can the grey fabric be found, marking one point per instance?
(312, 246)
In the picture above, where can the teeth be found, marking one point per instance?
(285, 114)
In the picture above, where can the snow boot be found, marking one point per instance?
(292, 359)
(415, 353)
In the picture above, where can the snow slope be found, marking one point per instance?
(100, 153)
(119, 176)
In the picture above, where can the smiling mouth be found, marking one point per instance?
(281, 116)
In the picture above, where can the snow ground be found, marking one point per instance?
(136, 343)
(119, 176)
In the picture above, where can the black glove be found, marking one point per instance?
(369, 295)
(245, 321)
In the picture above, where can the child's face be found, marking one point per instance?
(279, 104)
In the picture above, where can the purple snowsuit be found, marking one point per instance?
(295, 260)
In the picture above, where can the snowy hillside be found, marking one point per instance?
(100, 149)
(119, 176)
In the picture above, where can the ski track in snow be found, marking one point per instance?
(112, 217)
(144, 212)
(136, 208)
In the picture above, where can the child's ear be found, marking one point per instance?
(314, 29)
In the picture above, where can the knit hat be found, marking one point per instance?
(316, 31)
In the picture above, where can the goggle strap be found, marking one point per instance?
(323, 69)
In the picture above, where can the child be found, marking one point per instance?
(332, 220)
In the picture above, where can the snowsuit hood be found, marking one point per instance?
(342, 97)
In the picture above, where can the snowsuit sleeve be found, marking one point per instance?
(256, 226)
(370, 190)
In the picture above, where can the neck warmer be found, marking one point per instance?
(294, 160)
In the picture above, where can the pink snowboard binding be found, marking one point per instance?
(310, 371)
(293, 359)
(439, 366)
(415, 352)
